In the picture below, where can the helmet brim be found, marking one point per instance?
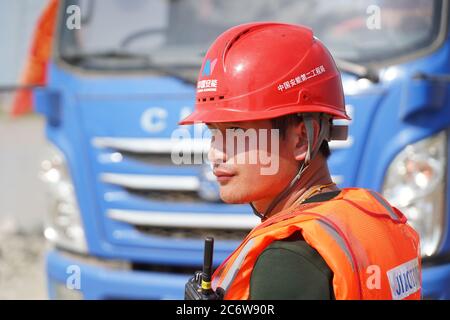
(216, 116)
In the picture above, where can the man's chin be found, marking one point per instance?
(232, 199)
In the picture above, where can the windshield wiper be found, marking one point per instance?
(358, 70)
(79, 56)
(145, 60)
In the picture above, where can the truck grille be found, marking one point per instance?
(170, 196)
(166, 183)
(158, 159)
(192, 233)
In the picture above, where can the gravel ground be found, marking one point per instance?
(22, 266)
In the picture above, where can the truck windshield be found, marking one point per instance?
(138, 33)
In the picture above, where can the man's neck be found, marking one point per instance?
(316, 174)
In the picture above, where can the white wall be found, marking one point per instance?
(17, 20)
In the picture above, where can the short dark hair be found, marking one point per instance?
(284, 122)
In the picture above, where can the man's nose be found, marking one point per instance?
(217, 152)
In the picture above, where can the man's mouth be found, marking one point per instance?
(223, 175)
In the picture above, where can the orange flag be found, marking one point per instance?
(36, 65)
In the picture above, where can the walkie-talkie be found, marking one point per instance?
(199, 286)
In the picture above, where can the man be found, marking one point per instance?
(315, 241)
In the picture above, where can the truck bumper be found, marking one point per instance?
(96, 282)
(436, 282)
(65, 275)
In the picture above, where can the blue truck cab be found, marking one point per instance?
(127, 222)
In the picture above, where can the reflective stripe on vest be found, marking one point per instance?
(231, 274)
(384, 203)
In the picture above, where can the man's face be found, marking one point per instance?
(250, 160)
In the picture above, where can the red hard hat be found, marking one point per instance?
(266, 70)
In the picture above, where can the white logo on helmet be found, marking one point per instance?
(207, 85)
(301, 78)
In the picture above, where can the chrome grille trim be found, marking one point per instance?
(336, 144)
(185, 219)
(337, 179)
(152, 182)
(152, 145)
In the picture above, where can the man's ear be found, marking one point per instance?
(301, 140)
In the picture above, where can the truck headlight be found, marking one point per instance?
(415, 184)
(63, 226)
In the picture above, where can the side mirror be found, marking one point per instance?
(48, 103)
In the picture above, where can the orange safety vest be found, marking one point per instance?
(365, 241)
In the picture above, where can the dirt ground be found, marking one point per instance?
(22, 267)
